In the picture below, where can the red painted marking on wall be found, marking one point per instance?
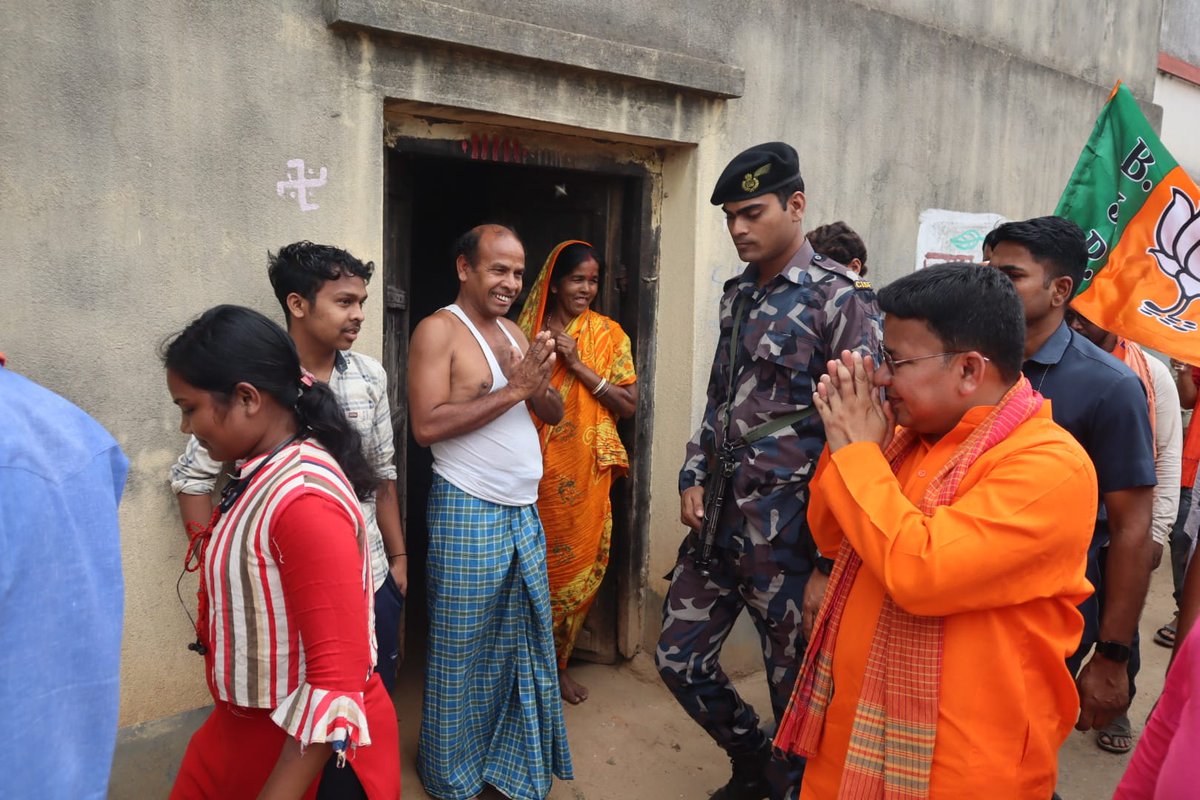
(493, 147)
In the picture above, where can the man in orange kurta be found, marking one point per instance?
(961, 539)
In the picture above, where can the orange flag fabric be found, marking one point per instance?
(1141, 214)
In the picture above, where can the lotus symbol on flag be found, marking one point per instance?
(1177, 251)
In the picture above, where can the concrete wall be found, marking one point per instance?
(1179, 98)
(1180, 101)
(1181, 30)
(1096, 41)
(144, 141)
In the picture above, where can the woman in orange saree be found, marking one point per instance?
(583, 453)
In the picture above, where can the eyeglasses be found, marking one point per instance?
(892, 363)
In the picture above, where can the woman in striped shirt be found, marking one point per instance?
(284, 620)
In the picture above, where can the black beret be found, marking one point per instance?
(758, 170)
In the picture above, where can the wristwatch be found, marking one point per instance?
(1114, 651)
(824, 565)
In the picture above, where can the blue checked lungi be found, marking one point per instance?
(492, 710)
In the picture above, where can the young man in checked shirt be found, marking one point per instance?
(322, 290)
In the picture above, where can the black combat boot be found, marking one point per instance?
(749, 781)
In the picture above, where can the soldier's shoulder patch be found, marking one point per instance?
(830, 266)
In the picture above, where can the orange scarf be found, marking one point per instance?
(895, 725)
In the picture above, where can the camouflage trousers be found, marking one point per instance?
(698, 614)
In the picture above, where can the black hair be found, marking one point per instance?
(1054, 242)
(467, 245)
(571, 257)
(839, 241)
(228, 345)
(302, 267)
(968, 307)
(788, 189)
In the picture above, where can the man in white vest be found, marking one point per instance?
(492, 712)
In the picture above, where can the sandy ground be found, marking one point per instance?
(1086, 771)
(630, 741)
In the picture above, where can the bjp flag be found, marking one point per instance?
(1141, 214)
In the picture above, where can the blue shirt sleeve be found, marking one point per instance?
(1122, 445)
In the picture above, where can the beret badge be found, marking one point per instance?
(750, 182)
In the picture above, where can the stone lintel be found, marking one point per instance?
(425, 19)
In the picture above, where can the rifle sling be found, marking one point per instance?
(769, 427)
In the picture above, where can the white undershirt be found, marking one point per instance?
(502, 461)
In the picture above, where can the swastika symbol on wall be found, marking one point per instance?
(300, 182)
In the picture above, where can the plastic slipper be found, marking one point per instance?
(1119, 728)
(1165, 635)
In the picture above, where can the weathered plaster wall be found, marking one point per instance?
(1180, 101)
(1097, 41)
(1094, 40)
(1181, 30)
(143, 143)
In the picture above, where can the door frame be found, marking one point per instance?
(637, 263)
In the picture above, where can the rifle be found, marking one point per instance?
(722, 474)
(714, 501)
(727, 458)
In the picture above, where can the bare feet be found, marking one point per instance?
(574, 693)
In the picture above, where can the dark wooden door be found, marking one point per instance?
(430, 201)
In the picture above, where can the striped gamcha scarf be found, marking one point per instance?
(895, 725)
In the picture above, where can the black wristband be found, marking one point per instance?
(395, 555)
(824, 565)
(1114, 651)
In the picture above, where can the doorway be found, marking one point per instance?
(435, 191)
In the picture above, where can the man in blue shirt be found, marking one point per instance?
(61, 477)
(1101, 402)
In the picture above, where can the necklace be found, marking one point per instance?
(553, 316)
(1045, 367)
(1041, 380)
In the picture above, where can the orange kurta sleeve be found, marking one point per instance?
(991, 547)
(821, 521)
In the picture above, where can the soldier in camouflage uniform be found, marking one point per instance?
(798, 310)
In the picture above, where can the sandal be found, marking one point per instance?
(1119, 729)
(1165, 635)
